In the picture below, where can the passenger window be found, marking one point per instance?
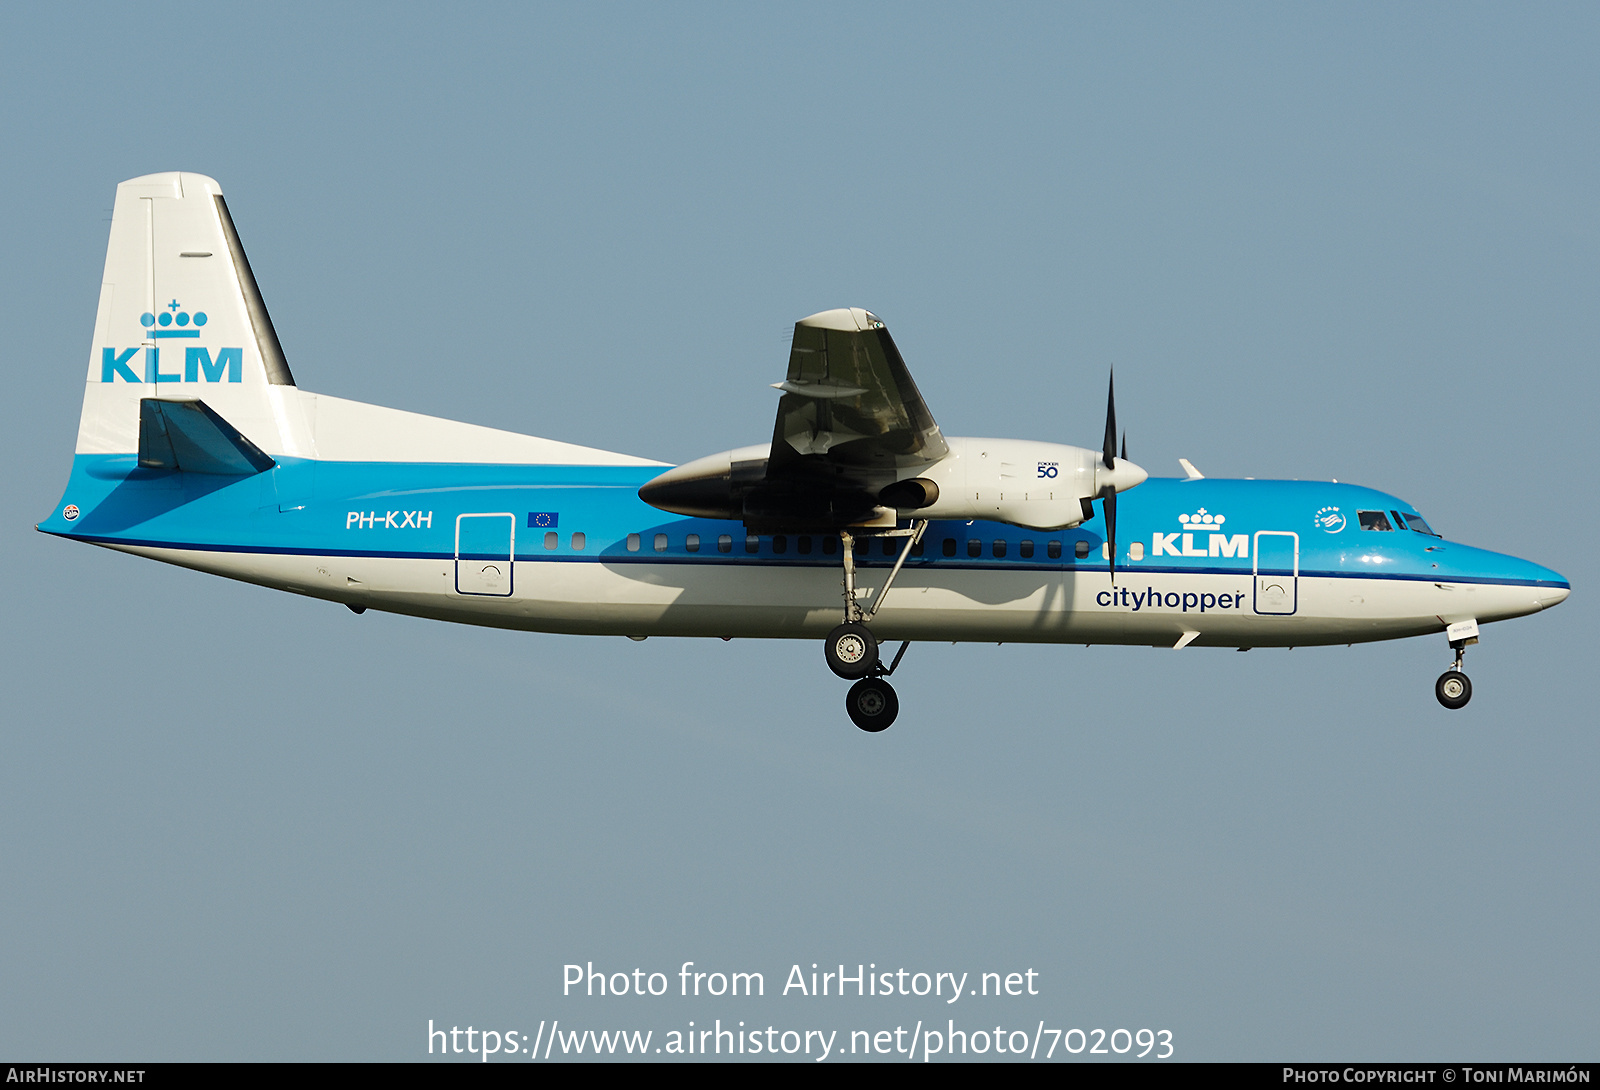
(780, 544)
(891, 546)
(949, 546)
(579, 540)
(999, 548)
(1053, 550)
(552, 540)
(725, 543)
(1080, 549)
(974, 547)
(1374, 520)
(752, 543)
(1136, 551)
(802, 544)
(1025, 550)
(916, 550)
(1415, 522)
(633, 543)
(830, 545)
(661, 543)
(692, 543)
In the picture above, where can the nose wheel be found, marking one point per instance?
(1454, 688)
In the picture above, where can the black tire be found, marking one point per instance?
(872, 704)
(851, 651)
(1453, 689)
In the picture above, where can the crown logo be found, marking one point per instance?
(1202, 520)
(170, 317)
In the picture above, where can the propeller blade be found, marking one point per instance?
(1124, 446)
(1111, 529)
(1109, 451)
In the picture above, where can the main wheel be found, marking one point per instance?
(1453, 689)
(872, 704)
(851, 651)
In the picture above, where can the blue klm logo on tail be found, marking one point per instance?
(198, 366)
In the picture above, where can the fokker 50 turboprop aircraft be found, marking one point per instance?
(197, 448)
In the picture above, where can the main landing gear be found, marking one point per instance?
(871, 702)
(851, 649)
(1454, 688)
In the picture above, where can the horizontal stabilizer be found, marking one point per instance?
(185, 434)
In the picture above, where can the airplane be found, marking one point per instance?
(859, 521)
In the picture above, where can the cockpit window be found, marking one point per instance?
(1374, 520)
(1415, 522)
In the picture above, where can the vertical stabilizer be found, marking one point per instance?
(181, 315)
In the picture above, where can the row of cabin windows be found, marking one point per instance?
(890, 546)
(805, 544)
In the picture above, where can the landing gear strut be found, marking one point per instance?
(851, 649)
(1454, 688)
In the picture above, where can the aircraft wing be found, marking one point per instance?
(850, 421)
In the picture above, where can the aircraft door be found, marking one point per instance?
(484, 547)
(1277, 572)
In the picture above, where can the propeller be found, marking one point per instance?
(1108, 494)
(1109, 451)
(1117, 478)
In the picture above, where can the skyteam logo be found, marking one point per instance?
(173, 323)
(1330, 520)
(1202, 521)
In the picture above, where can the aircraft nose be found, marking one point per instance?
(1550, 588)
(1552, 596)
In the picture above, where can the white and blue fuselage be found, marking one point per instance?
(571, 548)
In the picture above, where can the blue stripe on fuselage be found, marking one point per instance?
(306, 507)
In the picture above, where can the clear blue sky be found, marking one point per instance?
(1353, 241)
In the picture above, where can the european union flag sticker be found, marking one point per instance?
(544, 520)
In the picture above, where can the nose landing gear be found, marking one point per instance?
(1454, 688)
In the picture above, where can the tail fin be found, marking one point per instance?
(181, 315)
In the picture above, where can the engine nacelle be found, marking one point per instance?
(712, 487)
(1043, 486)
